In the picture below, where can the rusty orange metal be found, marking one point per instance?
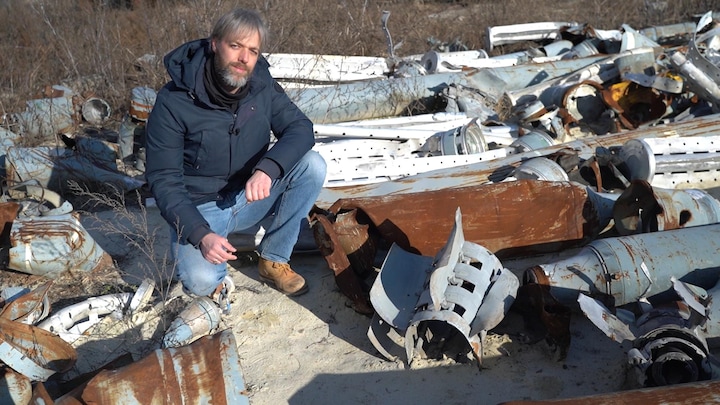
(509, 219)
(205, 371)
(699, 393)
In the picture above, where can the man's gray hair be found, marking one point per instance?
(241, 22)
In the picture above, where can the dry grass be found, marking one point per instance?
(94, 45)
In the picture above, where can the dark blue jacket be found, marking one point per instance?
(199, 152)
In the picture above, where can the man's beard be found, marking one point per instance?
(231, 79)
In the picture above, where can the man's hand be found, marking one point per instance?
(216, 249)
(258, 186)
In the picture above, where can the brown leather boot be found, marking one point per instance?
(282, 276)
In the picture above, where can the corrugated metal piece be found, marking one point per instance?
(498, 169)
(51, 245)
(206, 371)
(673, 163)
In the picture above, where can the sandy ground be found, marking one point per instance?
(314, 349)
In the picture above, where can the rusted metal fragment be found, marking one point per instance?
(15, 388)
(40, 396)
(443, 305)
(632, 267)
(347, 277)
(696, 393)
(206, 371)
(642, 208)
(51, 245)
(544, 318)
(635, 104)
(34, 352)
(508, 218)
(29, 308)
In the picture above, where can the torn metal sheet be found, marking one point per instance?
(465, 287)
(669, 344)
(28, 307)
(338, 248)
(50, 245)
(703, 77)
(34, 352)
(15, 388)
(206, 371)
(635, 104)
(37, 200)
(673, 163)
(628, 268)
(498, 169)
(642, 208)
(52, 167)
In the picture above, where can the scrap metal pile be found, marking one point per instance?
(599, 147)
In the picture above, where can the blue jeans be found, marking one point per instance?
(291, 198)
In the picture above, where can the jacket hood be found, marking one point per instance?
(183, 62)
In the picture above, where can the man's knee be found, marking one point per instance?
(201, 280)
(316, 165)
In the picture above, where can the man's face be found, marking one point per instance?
(235, 58)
